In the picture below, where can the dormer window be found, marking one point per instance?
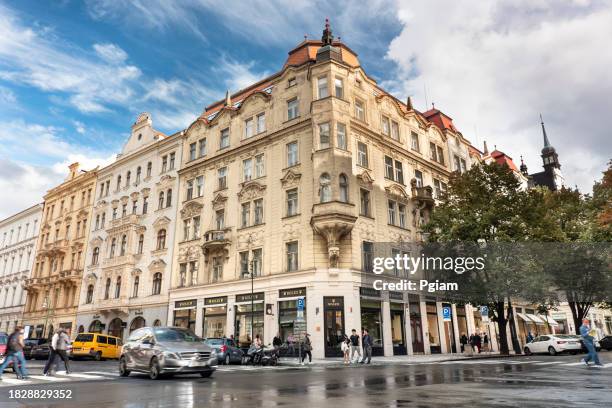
(291, 82)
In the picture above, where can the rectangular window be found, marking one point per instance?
(172, 161)
(364, 199)
(222, 178)
(391, 212)
(367, 252)
(217, 269)
(199, 186)
(134, 206)
(259, 166)
(291, 82)
(220, 219)
(437, 188)
(292, 154)
(247, 169)
(244, 264)
(248, 128)
(292, 202)
(186, 229)
(257, 261)
(362, 154)
(359, 110)
(292, 109)
(385, 125)
(399, 172)
(202, 147)
(457, 163)
(324, 135)
(419, 178)
(224, 138)
(463, 166)
(189, 190)
(388, 167)
(401, 209)
(433, 152)
(414, 142)
(395, 131)
(261, 123)
(245, 214)
(339, 88)
(440, 155)
(292, 256)
(192, 151)
(322, 87)
(259, 211)
(196, 227)
(164, 164)
(341, 136)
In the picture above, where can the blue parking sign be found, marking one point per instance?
(446, 313)
(300, 303)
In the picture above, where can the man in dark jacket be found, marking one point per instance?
(355, 345)
(14, 353)
(366, 341)
(463, 341)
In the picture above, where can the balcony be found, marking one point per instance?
(130, 219)
(423, 194)
(56, 247)
(119, 260)
(73, 275)
(333, 220)
(114, 306)
(215, 241)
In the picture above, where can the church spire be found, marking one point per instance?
(546, 141)
(486, 149)
(523, 167)
(228, 98)
(328, 37)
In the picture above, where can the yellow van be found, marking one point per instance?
(97, 346)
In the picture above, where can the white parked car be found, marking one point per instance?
(554, 344)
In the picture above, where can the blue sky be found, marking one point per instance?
(74, 75)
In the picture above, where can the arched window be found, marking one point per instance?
(128, 176)
(123, 245)
(107, 288)
(149, 168)
(90, 290)
(95, 327)
(169, 198)
(115, 329)
(140, 243)
(135, 288)
(343, 184)
(157, 323)
(161, 239)
(95, 255)
(138, 173)
(118, 182)
(325, 188)
(118, 287)
(157, 281)
(137, 323)
(113, 247)
(161, 200)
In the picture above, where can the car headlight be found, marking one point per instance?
(172, 356)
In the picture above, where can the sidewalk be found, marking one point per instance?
(414, 359)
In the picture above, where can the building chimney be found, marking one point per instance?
(74, 170)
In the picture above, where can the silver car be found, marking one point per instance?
(162, 351)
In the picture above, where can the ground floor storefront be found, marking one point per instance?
(41, 327)
(333, 305)
(121, 322)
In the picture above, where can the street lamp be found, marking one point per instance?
(252, 299)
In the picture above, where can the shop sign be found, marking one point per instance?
(369, 292)
(396, 296)
(247, 297)
(96, 316)
(285, 293)
(446, 313)
(219, 300)
(181, 304)
(138, 312)
(333, 302)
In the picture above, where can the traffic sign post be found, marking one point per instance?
(484, 314)
(446, 313)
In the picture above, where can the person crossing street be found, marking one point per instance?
(59, 348)
(367, 347)
(588, 337)
(14, 350)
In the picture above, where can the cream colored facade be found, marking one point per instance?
(299, 174)
(53, 288)
(130, 247)
(19, 234)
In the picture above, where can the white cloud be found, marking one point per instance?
(495, 66)
(79, 127)
(238, 75)
(110, 53)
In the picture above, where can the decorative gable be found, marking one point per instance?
(191, 209)
(251, 190)
(291, 178)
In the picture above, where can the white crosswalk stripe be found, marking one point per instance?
(14, 381)
(59, 378)
(47, 378)
(549, 363)
(574, 364)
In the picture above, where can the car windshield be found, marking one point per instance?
(213, 342)
(167, 334)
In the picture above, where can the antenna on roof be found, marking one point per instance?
(426, 101)
(433, 105)
(305, 37)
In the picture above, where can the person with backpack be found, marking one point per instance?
(59, 346)
(14, 353)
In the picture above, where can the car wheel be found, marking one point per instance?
(527, 351)
(227, 361)
(154, 370)
(552, 351)
(98, 356)
(573, 353)
(123, 370)
(206, 374)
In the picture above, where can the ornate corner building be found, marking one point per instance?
(19, 235)
(129, 251)
(53, 287)
(284, 188)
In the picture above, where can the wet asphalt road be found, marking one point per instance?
(537, 381)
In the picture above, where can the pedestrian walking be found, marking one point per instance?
(355, 346)
(366, 341)
(529, 337)
(307, 349)
(463, 341)
(588, 337)
(14, 353)
(345, 346)
(485, 340)
(277, 342)
(58, 349)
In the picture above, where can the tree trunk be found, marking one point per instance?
(501, 323)
(515, 343)
(579, 311)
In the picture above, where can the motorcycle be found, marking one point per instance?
(264, 356)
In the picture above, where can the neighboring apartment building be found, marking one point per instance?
(53, 287)
(19, 234)
(130, 247)
(291, 181)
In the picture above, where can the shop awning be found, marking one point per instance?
(549, 319)
(536, 319)
(524, 317)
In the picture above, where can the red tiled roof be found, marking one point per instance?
(502, 158)
(439, 118)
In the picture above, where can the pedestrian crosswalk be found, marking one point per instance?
(540, 363)
(60, 377)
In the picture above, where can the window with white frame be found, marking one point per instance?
(325, 188)
(341, 136)
(222, 178)
(364, 202)
(324, 135)
(339, 87)
(414, 142)
(202, 147)
(419, 178)
(292, 256)
(359, 110)
(224, 138)
(396, 213)
(261, 123)
(199, 187)
(249, 128)
(192, 151)
(217, 269)
(292, 202)
(292, 109)
(362, 154)
(260, 169)
(247, 169)
(245, 214)
(292, 154)
(189, 190)
(322, 87)
(395, 130)
(343, 186)
(385, 126)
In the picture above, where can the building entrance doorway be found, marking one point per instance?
(333, 307)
